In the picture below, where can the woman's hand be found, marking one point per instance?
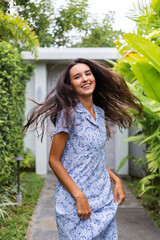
(83, 208)
(119, 192)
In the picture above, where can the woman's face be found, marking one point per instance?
(82, 80)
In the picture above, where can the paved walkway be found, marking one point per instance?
(132, 220)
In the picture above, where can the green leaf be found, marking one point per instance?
(152, 136)
(110, 62)
(147, 110)
(149, 188)
(135, 139)
(123, 161)
(149, 78)
(124, 69)
(154, 34)
(156, 6)
(146, 180)
(144, 46)
(149, 105)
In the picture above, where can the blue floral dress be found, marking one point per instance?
(84, 159)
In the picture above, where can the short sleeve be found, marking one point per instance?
(61, 125)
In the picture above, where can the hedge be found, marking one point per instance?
(14, 73)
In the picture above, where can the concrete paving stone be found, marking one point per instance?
(46, 212)
(46, 223)
(45, 235)
(47, 199)
(131, 201)
(136, 224)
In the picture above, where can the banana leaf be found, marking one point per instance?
(149, 78)
(150, 106)
(124, 69)
(133, 57)
(144, 46)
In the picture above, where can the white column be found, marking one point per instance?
(40, 94)
(121, 150)
(29, 140)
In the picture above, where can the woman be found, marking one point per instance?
(86, 95)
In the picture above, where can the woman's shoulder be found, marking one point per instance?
(71, 115)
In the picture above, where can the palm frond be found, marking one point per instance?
(16, 29)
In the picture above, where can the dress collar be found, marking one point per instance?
(81, 109)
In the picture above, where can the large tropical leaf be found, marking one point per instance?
(133, 57)
(124, 48)
(144, 46)
(149, 78)
(124, 69)
(149, 105)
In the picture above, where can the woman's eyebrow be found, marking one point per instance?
(76, 74)
(88, 71)
(79, 73)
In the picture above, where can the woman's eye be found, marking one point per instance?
(77, 77)
(88, 73)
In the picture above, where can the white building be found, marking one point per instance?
(51, 61)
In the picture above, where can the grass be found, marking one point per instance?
(15, 226)
(148, 200)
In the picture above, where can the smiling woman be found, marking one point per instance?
(86, 95)
(82, 80)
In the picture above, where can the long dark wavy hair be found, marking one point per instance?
(111, 94)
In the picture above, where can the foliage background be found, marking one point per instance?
(70, 25)
(13, 76)
(140, 66)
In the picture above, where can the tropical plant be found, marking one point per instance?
(5, 205)
(13, 28)
(147, 19)
(140, 66)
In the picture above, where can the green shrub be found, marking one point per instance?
(14, 73)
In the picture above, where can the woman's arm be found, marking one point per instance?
(118, 189)
(56, 151)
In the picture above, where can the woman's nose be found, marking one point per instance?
(84, 77)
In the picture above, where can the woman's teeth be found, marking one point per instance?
(87, 85)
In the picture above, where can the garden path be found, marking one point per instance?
(132, 220)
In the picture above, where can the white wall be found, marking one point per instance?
(29, 140)
(121, 150)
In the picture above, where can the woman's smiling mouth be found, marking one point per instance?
(86, 85)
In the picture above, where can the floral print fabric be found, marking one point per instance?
(84, 159)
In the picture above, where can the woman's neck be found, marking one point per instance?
(87, 103)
